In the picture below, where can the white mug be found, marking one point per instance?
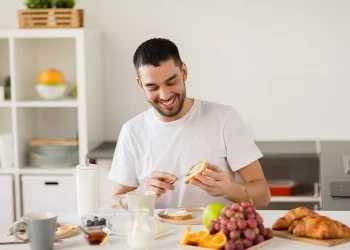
(137, 200)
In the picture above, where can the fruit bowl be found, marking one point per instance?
(51, 92)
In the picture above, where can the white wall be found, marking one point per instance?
(283, 64)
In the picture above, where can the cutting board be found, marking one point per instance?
(326, 243)
(189, 247)
(197, 213)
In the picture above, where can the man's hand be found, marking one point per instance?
(159, 182)
(215, 182)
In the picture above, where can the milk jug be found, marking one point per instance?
(86, 177)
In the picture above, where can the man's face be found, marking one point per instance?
(164, 86)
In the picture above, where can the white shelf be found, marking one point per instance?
(301, 198)
(64, 103)
(55, 171)
(5, 104)
(7, 170)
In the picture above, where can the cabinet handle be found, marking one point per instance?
(51, 183)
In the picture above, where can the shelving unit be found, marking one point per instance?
(25, 53)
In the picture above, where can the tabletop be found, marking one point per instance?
(169, 241)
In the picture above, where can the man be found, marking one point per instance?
(176, 132)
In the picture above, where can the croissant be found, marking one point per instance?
(320, 227)
(298, 213)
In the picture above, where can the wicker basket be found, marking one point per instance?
(50, 18)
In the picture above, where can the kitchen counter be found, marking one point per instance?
(170, 241)
(105, 150)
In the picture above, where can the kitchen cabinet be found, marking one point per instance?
(43, 193)
(7, 202)
(106, 186)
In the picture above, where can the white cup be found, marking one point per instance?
(137, 200)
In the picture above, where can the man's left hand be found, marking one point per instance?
(214, 181)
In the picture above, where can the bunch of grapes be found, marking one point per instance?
(242, 225)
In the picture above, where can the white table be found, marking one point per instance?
(170, 241)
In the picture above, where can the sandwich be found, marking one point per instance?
(175, 214)
(199, 168)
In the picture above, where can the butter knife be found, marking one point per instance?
(192, 170)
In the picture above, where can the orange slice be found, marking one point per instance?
(185, 236)
(194, 238)
(217, 241)
(203, 240)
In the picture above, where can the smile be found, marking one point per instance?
(169, 102)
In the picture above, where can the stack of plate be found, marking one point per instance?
(53, 155)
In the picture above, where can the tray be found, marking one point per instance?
(196, 219)
(189, 247)
(281, 187)
(326, 243)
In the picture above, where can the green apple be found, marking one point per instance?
(211, 212)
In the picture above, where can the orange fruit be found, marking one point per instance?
(185, 236)
(194, 238)
(217, 241)
(51, 76)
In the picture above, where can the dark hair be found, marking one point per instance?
(155, 51)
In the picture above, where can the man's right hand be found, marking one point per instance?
(159, 182)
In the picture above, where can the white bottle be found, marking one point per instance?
(87, 188)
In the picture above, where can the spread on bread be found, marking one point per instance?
(302, 222)
(175, 214)
(199, 168)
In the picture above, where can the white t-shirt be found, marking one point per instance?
(209, 131)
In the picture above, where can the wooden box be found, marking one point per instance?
(50, 18)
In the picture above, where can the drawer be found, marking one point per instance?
(7, 208)
(44, 193)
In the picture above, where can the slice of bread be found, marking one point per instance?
(200, 167)
(186, 216)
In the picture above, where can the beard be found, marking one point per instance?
(177, 106)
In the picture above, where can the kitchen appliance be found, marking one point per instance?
(87, 188)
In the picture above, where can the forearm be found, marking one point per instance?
(257, 190)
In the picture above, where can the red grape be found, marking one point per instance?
(252, 223)
(225, 230)
(229, 213)
(211, 223)
(235, 235)
(245, 204)
(249, 234)
(250, 209)
(230, 245)
(223, 211)
(263, 232)
(231, 226)
(258, 239)
(256, 230)
(269, 234)
(251, 216)
(217, 226)
(239, 215)
(236, 207)
(239, 245)
(212, 230)
(259, 219)
(242, 224)
(247, 243)
(223, 221)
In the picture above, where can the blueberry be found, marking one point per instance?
(103, 222)
(89, 223)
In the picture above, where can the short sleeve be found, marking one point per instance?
(123, 169)
(241, 149)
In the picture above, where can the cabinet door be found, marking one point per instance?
(106, 186)
(7, 202)
(44, 193)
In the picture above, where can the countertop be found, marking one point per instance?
(290, 149)
(170, 241)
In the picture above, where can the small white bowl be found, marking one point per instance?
(49, 92)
